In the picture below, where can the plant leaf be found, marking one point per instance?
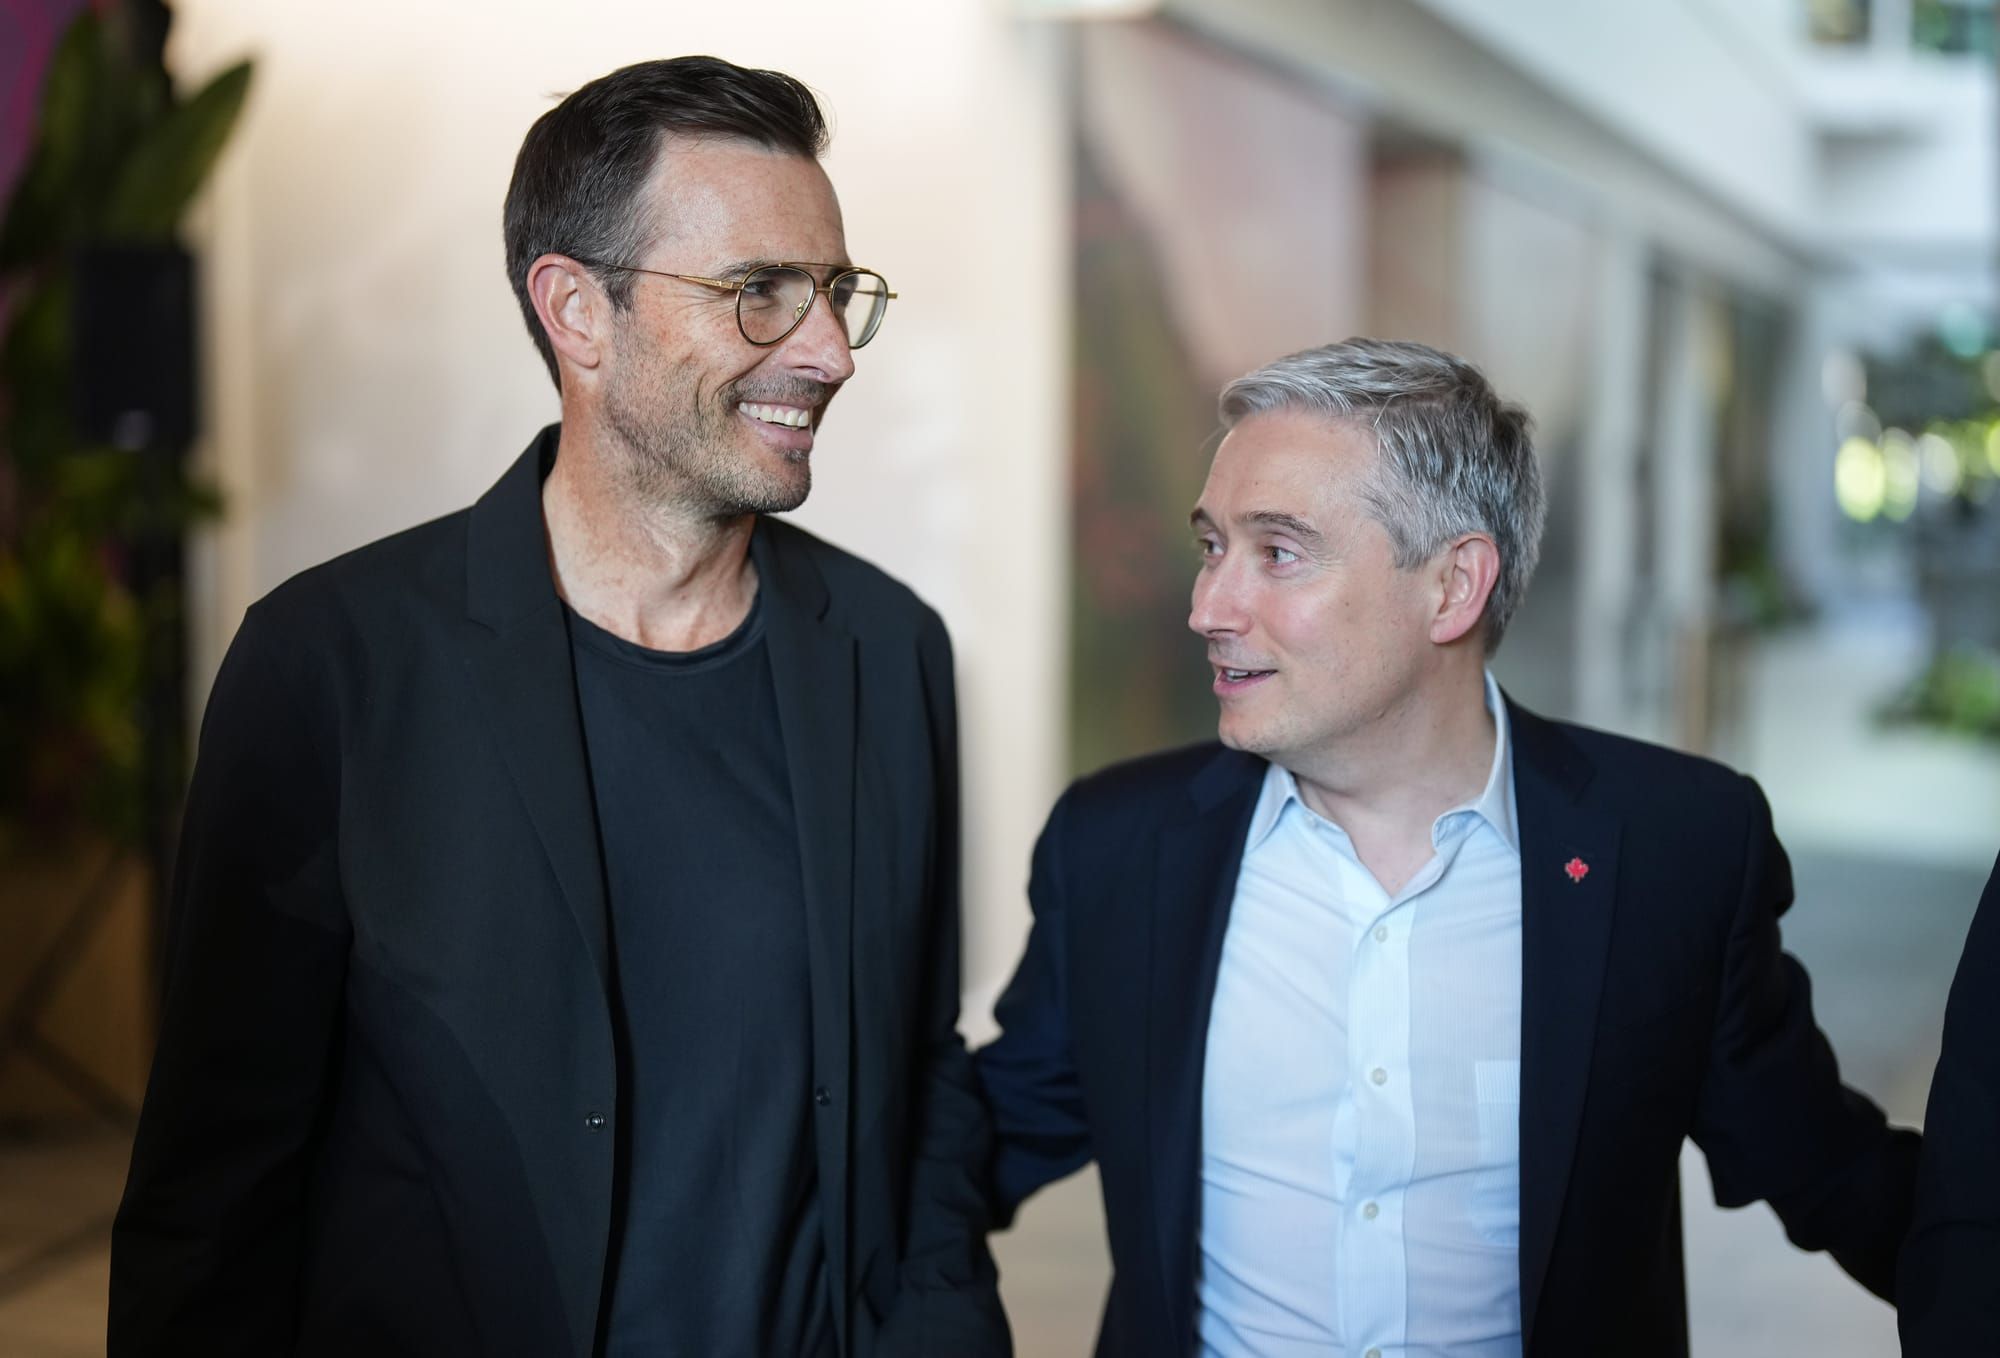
(171, 159)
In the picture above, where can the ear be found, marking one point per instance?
(574, 311)
(1467, 571)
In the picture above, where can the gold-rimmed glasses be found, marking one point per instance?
(772, 299)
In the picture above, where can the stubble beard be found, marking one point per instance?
(1286, 733)
(684, 454)
(1250, 737)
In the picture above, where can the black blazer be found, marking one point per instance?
(1655, 1005)
(380, 1118)
(1949, 1287)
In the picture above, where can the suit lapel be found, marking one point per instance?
(1197, 858)
(813, 662)
(1569, 873)
(519, 665)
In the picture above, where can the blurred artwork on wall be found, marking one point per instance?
(1218, 224)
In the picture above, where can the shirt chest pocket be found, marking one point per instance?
(1495, 1203)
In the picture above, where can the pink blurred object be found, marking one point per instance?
(28, 33)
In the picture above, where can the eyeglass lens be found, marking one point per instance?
(774, 299)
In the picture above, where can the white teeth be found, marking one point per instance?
(791, 416)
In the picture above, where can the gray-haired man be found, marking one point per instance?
(1385, 1018)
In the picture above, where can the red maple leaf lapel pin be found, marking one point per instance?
(1577, 869)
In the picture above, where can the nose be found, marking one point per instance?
(819, 345)
(1217, 607)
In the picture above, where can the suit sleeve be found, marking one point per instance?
(1773, 1117)
(1029, 1073)
(1948, 1288)
(206, 1247)
(949, 1297)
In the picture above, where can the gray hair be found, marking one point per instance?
(1453, 457)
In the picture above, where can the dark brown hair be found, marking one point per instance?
(576, 183)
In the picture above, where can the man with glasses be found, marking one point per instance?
(564, 947)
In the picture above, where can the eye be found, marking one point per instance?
(1207, 548)
(1279, 556)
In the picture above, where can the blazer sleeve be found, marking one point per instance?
(206, 1246)
(1772, 1116)
(1029, 1073)
(1948, 1288)
(949, 1300)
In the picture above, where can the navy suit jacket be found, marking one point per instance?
(1656, 1005)
(1950, 1282)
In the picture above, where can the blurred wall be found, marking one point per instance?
(1463, 259)
(1221, 220)
(367, 367)
(1429, 68)
(1736, 128)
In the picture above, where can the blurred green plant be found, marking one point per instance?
(1926, 381)
(1959, 691)
(1937, 405)
(1953, 27)
(117, 158)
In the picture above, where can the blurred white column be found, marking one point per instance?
(1685, 523)
(1610, 530)
(1806, 518)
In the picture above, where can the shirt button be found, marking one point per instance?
(1381, 933)
(822, 1096)
(1379, 1076)
(594, 1121)
(1369, 1211)
(1372, 1353)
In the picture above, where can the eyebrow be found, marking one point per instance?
(1268, 518)
(1289, 523)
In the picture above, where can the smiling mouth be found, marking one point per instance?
(791, 417)
(1225, 675)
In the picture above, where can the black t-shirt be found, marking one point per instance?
(717, 1247)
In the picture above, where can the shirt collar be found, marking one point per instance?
(1494, 804)
(1496, 801)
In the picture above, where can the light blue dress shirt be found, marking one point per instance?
(1360, 1173)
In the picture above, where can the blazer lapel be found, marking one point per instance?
(1569, 873)
(813, 661)
(1197, 861)
(519, 666)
